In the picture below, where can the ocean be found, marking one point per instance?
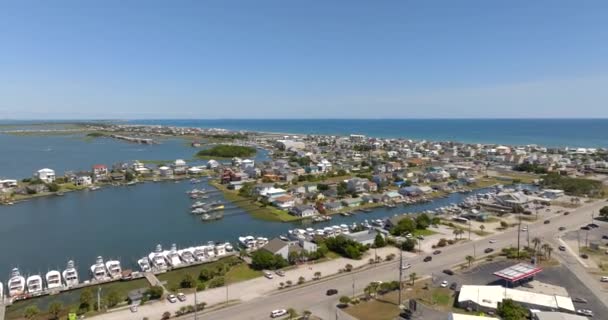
(545, 132)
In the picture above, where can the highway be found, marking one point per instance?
(313, 298)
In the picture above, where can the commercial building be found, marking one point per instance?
(487, 298)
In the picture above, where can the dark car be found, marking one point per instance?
(427, 259)
(605, 237)
(566, 213)
(488, 250)
(331, 292)
(584, 256)
(579, 300)
(437, 252)
(561, 228)
(453, 286)
(593, 225)
(585, 228)
(561, 248)
(547, 221)
(448, 272)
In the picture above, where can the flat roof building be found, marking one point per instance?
(486, 298)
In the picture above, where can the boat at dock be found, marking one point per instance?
(114, 269)
(186, 255)
(198, 211)
(144, 264)
(172, 256)
(16, 284)
(1, 291)
(198, 204)
(53, 280)
(94, 188)
(70, 275)
(98, 270)
(34, 284)
(158, 259)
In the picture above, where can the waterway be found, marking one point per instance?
(126, 223)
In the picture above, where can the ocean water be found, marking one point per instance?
(545, 132)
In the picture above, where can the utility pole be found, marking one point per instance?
(469, 230)
(578, 237)
(353, 286)
(400, 274)
(98, 298)
(195, 304)
(518, 234)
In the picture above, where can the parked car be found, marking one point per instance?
(448, 272)
(444, 284)
(172, 298)
(561, 228)
(584, 256)
(331, 292)
(585, 228)
(280, 273)
(585, 312)
(437, 252)
(427, 259)
(488, 250)
(605, 237)
(181, 297)
(492, 240)
(133, 308)
(566, 213)
(561, 248)
(453, 286)
(278, 313)
(604, 279)
(547, 221)
(406, 266)
(593, 225)
(267, 274)
(579, 300)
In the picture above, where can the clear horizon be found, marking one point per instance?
(315, 60)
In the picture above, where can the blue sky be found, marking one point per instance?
(303, 59)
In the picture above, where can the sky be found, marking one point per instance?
(303, 59)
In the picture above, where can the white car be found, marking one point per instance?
(444, 284)
(133, 309)
(267, 274)
(278, 313)
(406, 266)
(604, 279)
(585, 312)
(492, 240)
(172, 298)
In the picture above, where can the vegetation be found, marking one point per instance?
(530, 167)
(227, 151)
(31, 312)
(604, 212)
(155, 292)
(509, 310)
(409, 225)
(574, 186)
(96, 134)
(345, 247)
(408, 245)
(379, 241)
(55, 309)
(262, 259)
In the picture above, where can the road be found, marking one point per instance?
(312, 297)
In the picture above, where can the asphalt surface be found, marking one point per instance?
(312, 297)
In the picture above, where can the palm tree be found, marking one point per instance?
(470, 260)
(549, 250)
(318, 275)
(306, 314)
(55, 309)
(292, 313)
(536, 241)
(413, 277)
(482, 227)
(456, 232)
(545, 247)
(281, 285)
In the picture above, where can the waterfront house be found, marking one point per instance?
(324, 165)
(365, 237)
(117, 176)
(246, 164)
(235, 185)
(392, 196)
(194, 170)
(352, 202)
(47, 175)
(7, 184)
(212, 164)
(277, 246)
(356, 185)
(180, 167)
(414, 191)
(303, 211)
(271, 192)
(84, 180)
(370, 186)
(165, 172)
(100, 172)
(283, 202)
(334, 205)
(140, 168)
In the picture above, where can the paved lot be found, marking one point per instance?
(557, 276)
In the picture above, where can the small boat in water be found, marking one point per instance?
(198, 211)
(114, 269)
(157, 258)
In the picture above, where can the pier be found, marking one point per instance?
(134, 139)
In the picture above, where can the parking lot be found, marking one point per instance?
(556, 276)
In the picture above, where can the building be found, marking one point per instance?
(277, 246)
(100, 172)
(352, 202)
(520, 272)
(47, 175)
(553, 193)
(165, 171)
(8, 184)
(84, 180)
(364, 237)
(486, 298)
(549, 315)
(284, 202)
(303, 211)
(460, 316)
(356, 185)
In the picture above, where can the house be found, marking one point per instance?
(165, 171)
(324, 165)
(194, 170)
(235, 185)
(247, 163)
(100, 172)
(7, 184)
(352, 202)
(553, 193)
(486, 298)
(356, 185)
(415, 190)
(365, 237)
(277, 246)
(180, 167)
(117, 176)
(370, 186)
(47, 175)
(392, 196)
(84, 180)
(283, 202)
(271, 193)
(140, 168)
(212, 164)
(303, 211)
(333, 206)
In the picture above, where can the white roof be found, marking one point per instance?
(460, 316)
(490, 296)
(46, 170)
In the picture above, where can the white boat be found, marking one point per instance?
(16, 284)
(34, 284)
(1, 292)
(228, 247)
(114, 269)
(144, 264)
(186, 255)
(198, 204)
(98, 270)
(53, 279)
(198, 211)
(199, 254)
(172, 256)
(157, 258)
(93, 188)
(70, 275)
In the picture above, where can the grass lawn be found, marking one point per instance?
(424, 233)
(241, 272)
(383, 308)
(71, 299)
(174, 277)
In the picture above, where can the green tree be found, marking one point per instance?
(155, 292)
(86, 299)
(536, 241)
(379, 241)
(405, 225)
(187, 281)
(53, 187)
(31, 312)
(262, 259)
(113, 298)
(469, 259)
(317, 275)
(166, 315)
(509, 310)
(217, 282)
(129, 176)
(292, 313)
(408, 245)
(604, 212)
(423, 221)
(55, 309)
(344, 299)
(301, 280)
(348, 267)
(205, 274)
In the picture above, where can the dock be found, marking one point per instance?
(153, 280)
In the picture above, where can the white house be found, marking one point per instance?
(212, 164)
(247, 163)
(84, 180)
(324, 165)
(303, 211)
(165, 171)
(46, 175)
